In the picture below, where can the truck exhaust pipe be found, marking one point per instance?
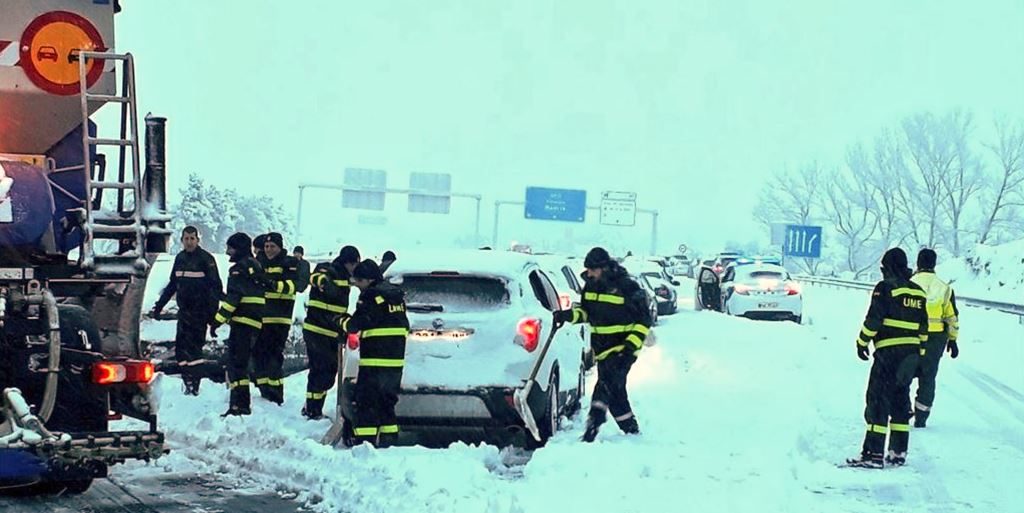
(155, 185)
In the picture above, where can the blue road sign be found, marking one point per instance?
(802, 241)
(556, 204)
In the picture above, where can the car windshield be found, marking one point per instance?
(455, 294)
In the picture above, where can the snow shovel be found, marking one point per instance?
(337, 429)
(521, 397)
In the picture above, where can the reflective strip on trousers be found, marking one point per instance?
(316, 396)
(239, 383)
(608, 352)
(269, 382)
(903, 428)
(319, 331)
(875, 428)
(381, 362)
(365, 431)
(389, 429)
(384, 332)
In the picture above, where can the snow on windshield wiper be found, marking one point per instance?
(424, 307)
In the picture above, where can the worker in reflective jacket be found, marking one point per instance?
(897, 323)
(283, 282)
(616, 309)
(943, 329)
(242, 308)
(196, 284)
(328, 298)
(382, 325)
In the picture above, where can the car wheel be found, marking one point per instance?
(548, 423)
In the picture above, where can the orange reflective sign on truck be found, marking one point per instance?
(49, 51)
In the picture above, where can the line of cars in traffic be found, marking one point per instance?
(758, 288)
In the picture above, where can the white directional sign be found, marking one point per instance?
(373, 179)
(618, 208)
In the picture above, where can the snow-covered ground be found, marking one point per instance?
(736, 415)
(988, 272)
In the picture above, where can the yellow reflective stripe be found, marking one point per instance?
(906, 291)
(579, 315)
(898, 341)
(381, 362)
(230, 308)
(608, 330)
(922, 352)
(924, 338)
(277, 320)
(904, 428)
(341, 283)
(247, 321)
(862, 342)
(379, 299)
(904, 325)
(365, 431)
(384, 332)
(635, 340)
(344, 323)
(271, 382)
(327, 306)
(254, 300)
(316, 396)
(389, 429)
(239, 383)
(275, 295)
(318, 330)
(220, 318)
(608, 352)
(604, 298)
(590, 296)
(274, 270)
(641, 329)
(874, 428)
(868, 333)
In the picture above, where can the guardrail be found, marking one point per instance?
(1010, 308)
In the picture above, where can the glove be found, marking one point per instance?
(560, 317)
(862, 352)
(954, 351)
(353, 341)
(155, 313)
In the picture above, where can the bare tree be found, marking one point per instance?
(965, 179)
(889, 180)
(793, 197)
(851, 207)
(1008, 194)
(932, 155)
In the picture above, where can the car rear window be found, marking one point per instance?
(455, 293)
(765, 275)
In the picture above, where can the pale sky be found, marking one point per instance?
(690, 104)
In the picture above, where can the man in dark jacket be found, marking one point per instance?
(382, 325)
(897, 323)
(299, 253)
(283, 281)
(196, 282)
(328, 298)
(242, 307)
(616, 308)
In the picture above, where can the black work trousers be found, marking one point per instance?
(610, 391)
(240, 343)
(376, 396)
(268, 361)
(927, 370)
(322, 355)
(888, 399)
(188, 344)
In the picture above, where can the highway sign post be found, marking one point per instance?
(802, 241)
(556, 204)
(618, 208)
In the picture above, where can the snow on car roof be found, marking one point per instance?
(499, 263)
(761, 268)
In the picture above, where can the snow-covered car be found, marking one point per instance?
(478, 321)
(664, 293)
(755, 291)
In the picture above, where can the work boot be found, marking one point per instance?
(312, 412)
(896, 459)
(629, 426)
(387, 440)
(594, 421)
(237, 411)
(921, 419)
(871, 460)
(191, 387)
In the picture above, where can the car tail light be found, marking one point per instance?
(129, 371)
(792, 289)
(565, 301)
(742, 289)
(528, 333)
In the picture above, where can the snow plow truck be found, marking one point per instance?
(82, 217)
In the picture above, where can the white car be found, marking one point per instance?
(755, 291)
(478, 322)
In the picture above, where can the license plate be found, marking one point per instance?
(430, 334)
(767, 305)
